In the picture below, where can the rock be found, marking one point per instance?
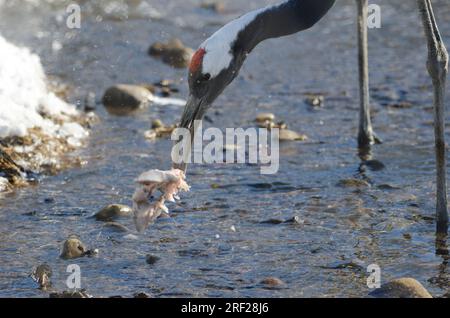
(141, 295)
(272, 221)
(401, 105)
(401, 288)
(263, 117)
(112, 212)
(272, 282)
(90, 102)
(151, 259)
(314, 100)
(42, 275)
(295, 220)
(71, 294)
(216, 6)
(73, 248)
(123, 99)
(374, 165)
(117, 227)
(289, 135)
(91, 253)
(173, 53)
(157, 123)
(9, 169)
(159, 132)
(353, 183)
(167, 87)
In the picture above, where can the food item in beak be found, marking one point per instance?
(169, 183)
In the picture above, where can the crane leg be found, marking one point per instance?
(438, 69)
(366, 136)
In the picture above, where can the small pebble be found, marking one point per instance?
(314, 100)
(353, 183)
(401, 288)
(289, 135)
(151, 259)
(272, 282)
(42, 275)
(263, 117)
(112, 212)
(73, 248)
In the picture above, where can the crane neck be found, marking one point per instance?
(287, 18)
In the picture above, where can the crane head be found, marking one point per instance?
(211, 70)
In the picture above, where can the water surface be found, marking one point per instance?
(389, 223)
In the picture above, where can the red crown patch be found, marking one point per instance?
(197, 60)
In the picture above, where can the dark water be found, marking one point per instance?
(391, 226)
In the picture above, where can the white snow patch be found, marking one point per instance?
(25, 99)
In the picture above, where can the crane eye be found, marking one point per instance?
(203, 78)
(206, 77)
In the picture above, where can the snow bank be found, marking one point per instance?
(25, 101)
(47, 126)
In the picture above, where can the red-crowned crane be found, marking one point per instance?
(218, 60)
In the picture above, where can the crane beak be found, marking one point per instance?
(194, 110)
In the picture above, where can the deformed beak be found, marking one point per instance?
(192, 111)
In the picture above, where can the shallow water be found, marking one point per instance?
(200, 254)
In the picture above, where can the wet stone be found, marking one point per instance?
(263, 117)
(141, 295)
(73, 248)
(42, 275)
(314, 100)
(157, 123)
(401, 288)
(90, 102)
(289, 135)
(9, 169)
(122, 99)
(152, 259)
(374, 165)
(159, 131)
(272, 282)
(387, 187)
(215, 6)
(173, 53)
(116, 227)
(71, 294)
(112, 212)
(354, 266)
(401, 105)
(353, 183)
(272, 221)
(295, 220)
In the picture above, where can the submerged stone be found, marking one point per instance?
(173, 53)
(116, 227)
(401, 288)
(122, 99)
(42, 275)
(151, 259)
(289, 135)
(71, 294)
(112, 212)
(353, 183)
(263, 117)
(272, 282)
(73, 248)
